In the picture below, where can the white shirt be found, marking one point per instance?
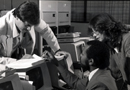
(92, 73)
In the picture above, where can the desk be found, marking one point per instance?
(36, 70)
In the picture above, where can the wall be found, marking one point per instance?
(81, 27)
(5, 4)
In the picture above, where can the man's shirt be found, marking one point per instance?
(92, 73)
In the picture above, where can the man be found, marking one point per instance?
(94, 58)
(17, 31)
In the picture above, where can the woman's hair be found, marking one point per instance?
(99, 52)
(28, 11)
(106, 24)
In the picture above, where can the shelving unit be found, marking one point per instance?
(54, 13)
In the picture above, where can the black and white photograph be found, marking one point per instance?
(64, 45)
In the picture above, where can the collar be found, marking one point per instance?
(116, 50)
(92, 73)
(16, 32)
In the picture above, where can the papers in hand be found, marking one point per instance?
(59, 57)
(36, 57)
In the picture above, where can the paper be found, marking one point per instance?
(37, 57)
(24, 63)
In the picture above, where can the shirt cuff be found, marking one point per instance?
(57, 51)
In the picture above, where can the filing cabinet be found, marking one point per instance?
(54, 13)
(64, 6)
(64, 12)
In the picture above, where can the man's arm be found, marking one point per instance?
(99, 86)
(71, 79)
(127, 60)
(46, 32)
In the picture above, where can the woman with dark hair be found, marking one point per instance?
(116, 35)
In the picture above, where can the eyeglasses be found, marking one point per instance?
(95, 32)
(27, 25)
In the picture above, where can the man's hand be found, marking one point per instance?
(60, 55)
(50, 57)
(3, 69)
